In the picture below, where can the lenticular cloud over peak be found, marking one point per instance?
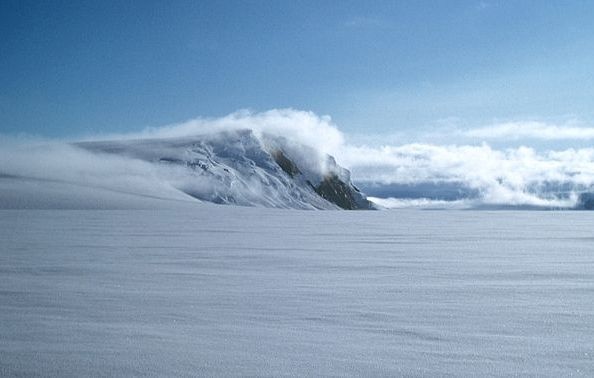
(299, 126)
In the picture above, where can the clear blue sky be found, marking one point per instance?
(78, 67)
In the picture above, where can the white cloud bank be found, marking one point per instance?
(519, 176)
(515, 176)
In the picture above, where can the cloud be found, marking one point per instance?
(60, 175)
(108, 179)
(530, 130)
(482, 5)
(510, 176)
(365, 22)
(515, 176)
(403, 203)
(302, 127)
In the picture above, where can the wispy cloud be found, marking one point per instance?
(530, 130)
(59, 175)
(365, 22)
(482, 5)
(299, 126)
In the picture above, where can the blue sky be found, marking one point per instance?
(79, 68)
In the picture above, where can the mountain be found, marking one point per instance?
(241, 168)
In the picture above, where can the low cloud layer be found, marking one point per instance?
(59, 175)
(519, 176)
(514, 176)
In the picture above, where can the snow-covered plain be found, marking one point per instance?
(224, 290)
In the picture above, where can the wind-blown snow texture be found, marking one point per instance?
(225, 290)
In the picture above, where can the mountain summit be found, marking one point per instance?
(242, 168)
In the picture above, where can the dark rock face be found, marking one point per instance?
(331, 188)
(285, 163)
(342, 194)
(586, 201)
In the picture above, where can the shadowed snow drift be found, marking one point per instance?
(240, 167)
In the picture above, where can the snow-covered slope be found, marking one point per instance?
(242, 168)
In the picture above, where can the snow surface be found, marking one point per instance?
(227, 291)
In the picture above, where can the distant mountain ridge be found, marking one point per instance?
(241, 168)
